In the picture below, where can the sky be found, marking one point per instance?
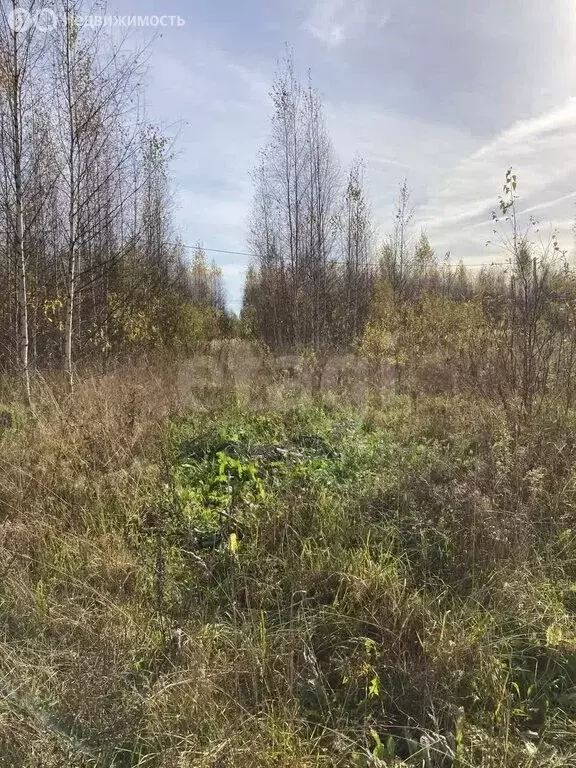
(446, 94)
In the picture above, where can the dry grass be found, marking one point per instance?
(414, 589)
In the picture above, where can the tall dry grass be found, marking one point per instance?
(417, 587)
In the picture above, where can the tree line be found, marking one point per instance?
(317, 268)
(319, 280)
(89, 258)
(92, 268)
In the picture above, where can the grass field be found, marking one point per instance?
(279, 578)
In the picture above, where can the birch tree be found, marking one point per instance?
(17, 70)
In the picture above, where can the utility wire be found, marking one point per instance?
(332, 261)
(214, 250)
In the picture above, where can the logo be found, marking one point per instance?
(21, 20)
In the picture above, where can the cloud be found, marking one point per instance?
(542, 151)
(226, 106)
(395, 147)
(456, 178)
(333, 22)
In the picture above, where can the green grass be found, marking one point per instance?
(310, 585)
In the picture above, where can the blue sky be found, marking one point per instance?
(448, 94)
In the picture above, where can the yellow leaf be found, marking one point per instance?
(554, 635)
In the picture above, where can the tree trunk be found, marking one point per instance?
(19, 248)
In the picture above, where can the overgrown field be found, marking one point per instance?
(242, 582)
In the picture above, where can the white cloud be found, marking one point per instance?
(394, 147)
(333, 22)
(542, 151)
(456, 179)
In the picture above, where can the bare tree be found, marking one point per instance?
(17, 63)
(93, 82)
(294, 227)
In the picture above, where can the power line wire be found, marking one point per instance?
(335, 261)
(215, 250)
